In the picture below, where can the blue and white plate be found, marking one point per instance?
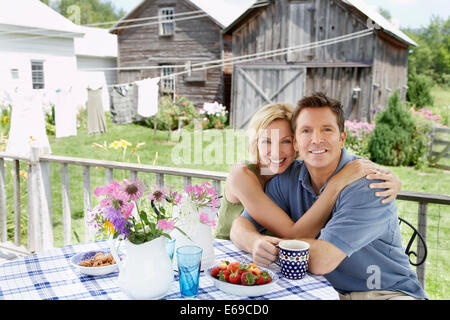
(241, 290)
(92, 271)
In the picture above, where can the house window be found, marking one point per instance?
(166, 23)
(14, 74)
(167, 82)
(37, 74)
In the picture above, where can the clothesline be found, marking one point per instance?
(257, 56)
(55, 34)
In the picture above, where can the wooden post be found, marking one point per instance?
(422, 228)
(17, 213)
(65, 195)
(160, 179)
(187, 181)
(87, 201)
(109, 175)
(3, 227)
(40, 215)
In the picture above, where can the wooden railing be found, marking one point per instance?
(40, 227)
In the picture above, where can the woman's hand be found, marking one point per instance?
(353, 171)
(357, 169)
(392, 184)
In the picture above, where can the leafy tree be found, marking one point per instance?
(89, 12)
(432, 57)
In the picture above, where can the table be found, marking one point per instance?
(49, 275)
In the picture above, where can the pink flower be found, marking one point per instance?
(133, 189)
(106, 190)
(165, 224)
(204, 217)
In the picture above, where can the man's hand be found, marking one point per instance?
(264, 250)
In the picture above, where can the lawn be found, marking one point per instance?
(213, 150)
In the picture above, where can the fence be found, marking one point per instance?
(423, 210)
(440, 148)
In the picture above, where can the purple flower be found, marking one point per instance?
(117, 220)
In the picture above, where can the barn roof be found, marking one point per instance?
(377, 19)
(381, 21)
(35, 17)
(133, 12)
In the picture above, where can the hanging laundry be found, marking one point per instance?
(66, 110)
(96, 122)
(27, 124)
(148, 95)
(123, 103)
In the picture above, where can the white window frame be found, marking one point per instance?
(167, 84)
(37, 76)
(166, 22)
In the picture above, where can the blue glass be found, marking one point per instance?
(170, 247)
(189, 262)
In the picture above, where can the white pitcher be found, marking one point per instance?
(200, 235)
(147, 270)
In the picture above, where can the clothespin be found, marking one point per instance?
(187, 68)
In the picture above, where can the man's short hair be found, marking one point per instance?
(319, 100)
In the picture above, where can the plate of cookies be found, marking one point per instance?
(94, 263)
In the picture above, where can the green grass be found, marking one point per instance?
(441, 105)
(219, 149)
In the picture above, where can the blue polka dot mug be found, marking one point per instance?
(293, 258)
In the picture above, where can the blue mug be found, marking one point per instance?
(293, 258)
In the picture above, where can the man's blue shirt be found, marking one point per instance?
(366, 230)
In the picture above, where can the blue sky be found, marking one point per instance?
(407, 13)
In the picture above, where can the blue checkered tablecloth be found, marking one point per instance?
(49, 275)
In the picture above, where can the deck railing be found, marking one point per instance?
(39, 199)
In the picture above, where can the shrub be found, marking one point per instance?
(214, 116)
(391, 140)
(169, 111)
(419, 90)
(358, 136)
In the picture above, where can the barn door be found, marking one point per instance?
(257, 85)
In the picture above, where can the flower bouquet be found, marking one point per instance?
(126, 213)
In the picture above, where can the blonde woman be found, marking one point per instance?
(271, 152)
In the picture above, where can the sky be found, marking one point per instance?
(405, 13)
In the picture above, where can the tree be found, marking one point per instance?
(87, 11)
(432, 57)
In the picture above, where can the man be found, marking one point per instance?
(359, 250)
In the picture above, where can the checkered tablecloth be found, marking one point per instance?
(49, 275)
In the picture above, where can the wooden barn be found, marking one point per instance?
(183, 35)
(361, 72)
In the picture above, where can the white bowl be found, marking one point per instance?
(241, 290)
(92, 271)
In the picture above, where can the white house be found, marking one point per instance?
(36, 46)
(41, 49)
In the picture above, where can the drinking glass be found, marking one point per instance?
(189, 262)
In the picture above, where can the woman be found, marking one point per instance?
(271, 152)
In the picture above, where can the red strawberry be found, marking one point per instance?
(248, 278)
(234, 277)
(243, 268)
(224, 275)
(266, 276)
(215, 272)
(233, 266)
(260, 280)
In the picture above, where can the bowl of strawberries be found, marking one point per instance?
(242, 279)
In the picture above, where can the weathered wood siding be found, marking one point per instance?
(195, 40)
(375, 64)
(390, 70)
(287, 23)
(339, 82)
